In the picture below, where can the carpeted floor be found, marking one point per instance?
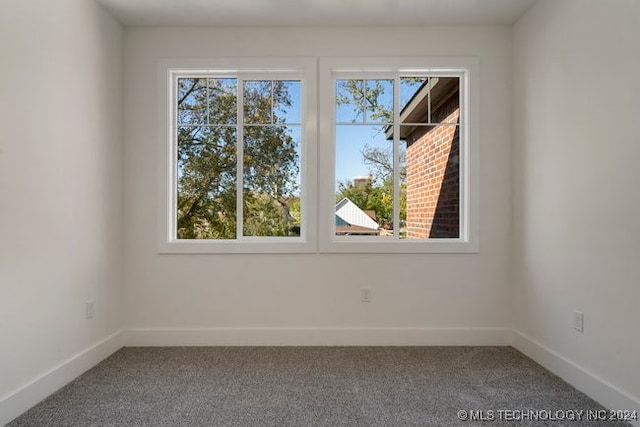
(300, 386)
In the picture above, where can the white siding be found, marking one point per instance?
(351, 213)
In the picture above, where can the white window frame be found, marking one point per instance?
(331, 69)
(303, 69)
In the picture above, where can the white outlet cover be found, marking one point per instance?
(91, 309)
(578, 321)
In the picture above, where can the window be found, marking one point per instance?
(397, 157)
(239, 171)
(396, 141)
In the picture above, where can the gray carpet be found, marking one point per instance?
(300, 386)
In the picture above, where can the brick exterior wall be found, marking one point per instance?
(433, 176)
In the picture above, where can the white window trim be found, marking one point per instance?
(332, 68)
(304, 69)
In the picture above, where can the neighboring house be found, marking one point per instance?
(353, 221)
(433, 160)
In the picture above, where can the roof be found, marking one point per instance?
(354, 229)
(351, 219)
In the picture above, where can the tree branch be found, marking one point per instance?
(189, 92)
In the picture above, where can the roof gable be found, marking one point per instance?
(351, 214)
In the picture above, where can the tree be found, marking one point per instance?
(364, 96)
(207, 159)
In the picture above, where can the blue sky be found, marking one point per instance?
(350, 141)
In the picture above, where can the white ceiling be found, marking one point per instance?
(316, 12)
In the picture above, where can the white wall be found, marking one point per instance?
(577, 201)
(60, 187)
(245, 292)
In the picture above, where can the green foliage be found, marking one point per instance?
(207, 160)
(264, 216)
(357, 194)
(270, 161)
(364, 95)
(295, 210)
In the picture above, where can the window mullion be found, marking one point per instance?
(364, 101)
(429, 83)
(396, 157)
(271, 112)
(208, 108)
(463, 184)
(173, 158)
(240, 160)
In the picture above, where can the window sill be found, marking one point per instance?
(440, 246)
(270, 246)
(338, 246)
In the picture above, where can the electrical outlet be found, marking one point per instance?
(365, 295)
(91, 308)
(578, 321)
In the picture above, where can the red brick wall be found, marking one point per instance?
(433, 176)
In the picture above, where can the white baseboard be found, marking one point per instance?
(591, 385)
(17, 402)
(316, 337)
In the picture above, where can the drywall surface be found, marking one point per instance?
(576, 196)
(315, 291)
(60, 184)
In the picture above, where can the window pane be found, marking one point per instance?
(434, 100)
(409, 88)
(414, 100)
(223, 103)
(257, 102)
(271, 196)
(349, 101)
(287, 102)
(206, 177)
(432, 161)
(379, 101)
(445, 100)
(364, 181)
(192, 101)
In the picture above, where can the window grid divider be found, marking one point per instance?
(271, 112)
(364, 101)
(240, 161)
(396, 158)
(208, 111)
(429, 82)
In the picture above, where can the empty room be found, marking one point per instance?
(319, 212)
